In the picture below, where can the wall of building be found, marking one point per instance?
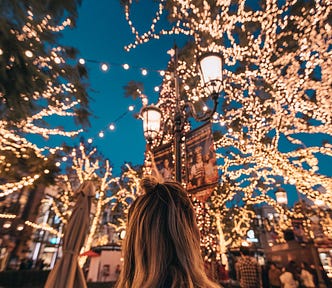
(104, 267)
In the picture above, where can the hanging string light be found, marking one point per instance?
(276, 88)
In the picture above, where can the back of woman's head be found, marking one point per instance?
(162, 245)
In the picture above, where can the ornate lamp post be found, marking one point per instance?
(151, 116)
(210, 68)
(281, 197)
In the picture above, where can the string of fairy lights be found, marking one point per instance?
(270, 98)
(12, 141)
(105, 66)
(61, 109)
(260, 115)
(28, 126)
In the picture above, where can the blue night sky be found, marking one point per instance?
(100, 35)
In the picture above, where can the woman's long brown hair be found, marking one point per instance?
(162, 244)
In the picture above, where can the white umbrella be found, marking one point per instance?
(67, 272)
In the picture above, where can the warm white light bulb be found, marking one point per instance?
(319, 202)
(28, 53)
(20, 227)
(104, 67)
(57, 60)
(7, 225)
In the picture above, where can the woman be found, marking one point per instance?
(162, 244)
(287, 279)
(274, 276)
(307, 278)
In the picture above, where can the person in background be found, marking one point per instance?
(248, 270)
(162, 245)
(166, 172)
(287, 279)
(293, 268)
(274, 276)
(307, 279)
(196, 176)
(326, 279)
(314, 273)
(210, 169)
(40, 264)
(265, 274)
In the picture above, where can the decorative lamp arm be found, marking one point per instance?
(209, 113)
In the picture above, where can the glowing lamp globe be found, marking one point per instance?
(210, 69)
(151, 116)
(281, 196)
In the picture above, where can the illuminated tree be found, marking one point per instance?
(39, 81)
(84, 163)
(40, 84)
(34, 66)
(274, 127)
(124, 192)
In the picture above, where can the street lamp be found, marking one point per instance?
(151, 116)
(281, 196)
(210, 68)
